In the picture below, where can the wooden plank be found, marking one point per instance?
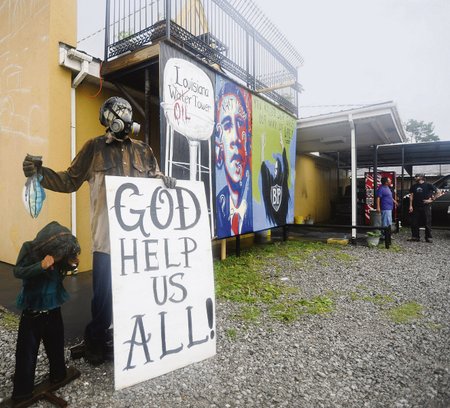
(44, 390)
(128, 60)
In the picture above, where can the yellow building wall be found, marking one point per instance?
(34, 114)
(315, 188)
(88, 103)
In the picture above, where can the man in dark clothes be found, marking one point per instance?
(421, 195)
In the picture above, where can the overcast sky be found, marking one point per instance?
(355, 52)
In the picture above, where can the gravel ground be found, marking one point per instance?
(353, 356)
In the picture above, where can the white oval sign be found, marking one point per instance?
(188, 99)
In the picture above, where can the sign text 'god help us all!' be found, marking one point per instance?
(162, 277)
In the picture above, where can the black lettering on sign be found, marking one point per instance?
(161, 202)
(159, 195)
(161, 299)
(148, 265)
(179, 286)
(124, 257)
(193, 342)
(138, 324)
(166, 253)
(118, 205)
(188, 249)
(166, 352)
(181, 208)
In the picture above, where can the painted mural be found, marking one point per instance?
(273, 150)
(187, 120)
(233, 139)
(240, 146)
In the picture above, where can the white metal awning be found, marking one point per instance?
(374, 124)
(350, 131)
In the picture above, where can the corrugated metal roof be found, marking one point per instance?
(311, 111)
(416, 157)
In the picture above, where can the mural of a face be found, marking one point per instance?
(233, 124)
(233, 136)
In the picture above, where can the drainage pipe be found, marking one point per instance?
(73, 150)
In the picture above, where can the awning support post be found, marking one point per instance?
(375, 176)
(354, 175)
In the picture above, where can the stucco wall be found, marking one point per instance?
(315, 187)
(88, 103)
(34, 96)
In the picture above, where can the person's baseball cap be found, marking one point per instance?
(422, 175)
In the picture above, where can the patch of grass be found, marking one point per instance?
(231, 334)
(405, 313)
(394, 247)
(434, 326)
(290, 310)
(380, 299)
(317, 305)
(9, 320)
(287, 311)
(254, 280)
(298, 252)
(250, 313)
(376, 298)
(343, 256)
(247, 279)
(239, 279)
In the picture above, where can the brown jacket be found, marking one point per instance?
(100, 157)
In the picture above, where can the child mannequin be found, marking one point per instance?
(42, 265)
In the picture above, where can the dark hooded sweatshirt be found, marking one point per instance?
(42, 289)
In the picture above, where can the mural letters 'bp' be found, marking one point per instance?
(233, 138)
(273, 147)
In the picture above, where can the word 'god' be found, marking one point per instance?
(174, 211)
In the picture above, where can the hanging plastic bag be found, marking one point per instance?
(33, 193)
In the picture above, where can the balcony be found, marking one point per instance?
(233, 36)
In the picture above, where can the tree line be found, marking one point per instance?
(419, 131)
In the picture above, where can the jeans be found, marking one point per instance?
(386, 219)
(33, 328)
(101, 305)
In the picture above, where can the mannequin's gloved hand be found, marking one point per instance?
(170, 182)
(31, 165)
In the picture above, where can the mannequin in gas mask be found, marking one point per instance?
(116, 154)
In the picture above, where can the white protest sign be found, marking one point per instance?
(188, 99)
(162, 277)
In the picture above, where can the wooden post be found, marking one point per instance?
(223, 249)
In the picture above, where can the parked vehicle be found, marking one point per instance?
(440, 208)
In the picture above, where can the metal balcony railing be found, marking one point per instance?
(232, 34)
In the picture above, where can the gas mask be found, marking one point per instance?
(117, 115)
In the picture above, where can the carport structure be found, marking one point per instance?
(404, 155)
(366, 137)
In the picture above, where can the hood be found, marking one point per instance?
(50, 232)
(55, 240)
